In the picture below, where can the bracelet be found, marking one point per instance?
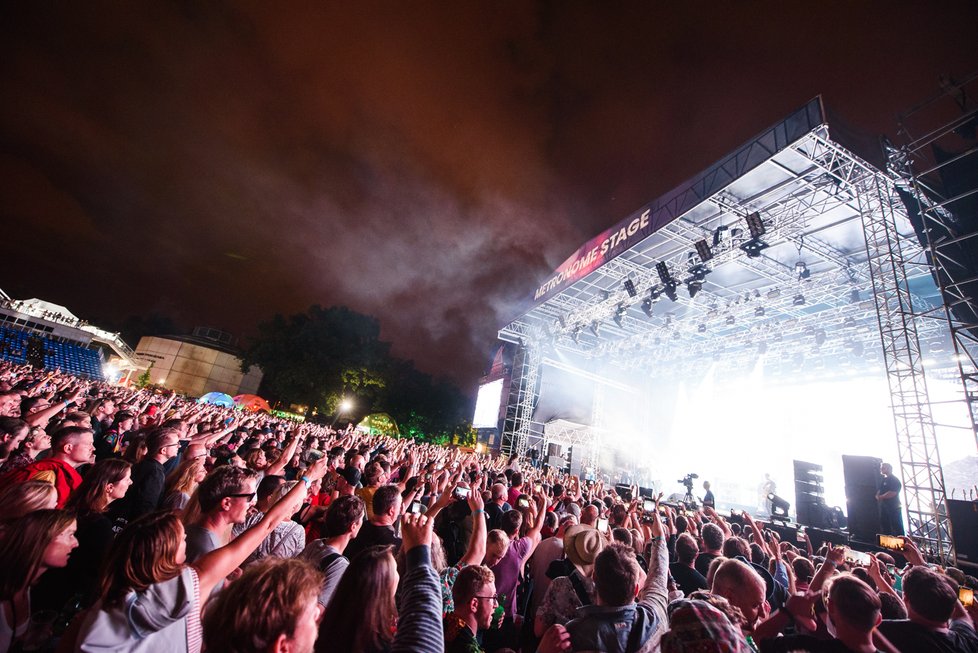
(477, 511)
(831, 562)
(306, 480)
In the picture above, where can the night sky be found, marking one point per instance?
(426, 163)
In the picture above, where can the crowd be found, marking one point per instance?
(137, 521)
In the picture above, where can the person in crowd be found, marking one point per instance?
(936, 620)
(224, 497)
(709, 501)
(33, 544)
(567, 594)
(497, 505)
(19, 499)
(683, 570)
(702, 625)
(476, 550)
(101, 416)
(380, 530)
(182, 482)
(107, 481)
(361, 616)
(71, 447)
(744, 588)
(712, 537)
(149, 599)
(149, 474)
(109, 442)
(271, 608)
(12, 432)
(287, 539)
(373, 477)
(36, 441)
(515, 488)
(474, 599)
(341, 524)
(888, 497)
(548, 560)
(615, 616)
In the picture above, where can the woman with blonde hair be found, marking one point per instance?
(19, 499)
(182, 482)
(30, 546)
(150, 600)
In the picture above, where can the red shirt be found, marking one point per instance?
(62, 475)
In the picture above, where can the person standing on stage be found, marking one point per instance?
(708, 498)
(888, 497)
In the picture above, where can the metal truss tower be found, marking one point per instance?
(920, 462)
(524, 393)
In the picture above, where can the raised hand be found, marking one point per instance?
(416, 530)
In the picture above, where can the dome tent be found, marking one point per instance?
(217, 399)
(252, 403)
(379, 424)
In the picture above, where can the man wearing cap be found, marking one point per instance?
(566, 594)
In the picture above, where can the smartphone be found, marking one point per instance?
(523, 502)
(890, 542)
(648, 506)
(603, 525)
(967, 596)
(415, 508)
(462, 492)
(313, 455)
(857, 557)
(538, 488)
(800, 535)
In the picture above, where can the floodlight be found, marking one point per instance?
(654, 293)
(753, 247)
(703, 250)
(346, 405)
(798, 300)
(755, 225)
(773, 293)
(801, 269)
(694, 287)
(731, 319)
(647, 307)
(670, 291)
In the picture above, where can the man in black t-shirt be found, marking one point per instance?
(380, 529)
(687, 578)
(712, 541)
(888, 496)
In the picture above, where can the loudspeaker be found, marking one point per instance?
(862, 474)
(809, 502)
(964, 530)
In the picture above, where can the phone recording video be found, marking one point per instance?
(891, 542)
(415, 508)
(603, 525)
(523, 502)
(967, 596)
(462, 492)
(857, 557)
(648, 506)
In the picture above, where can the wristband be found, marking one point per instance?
(67, 403)
(831, 562)
(306, 480)
(477, 511)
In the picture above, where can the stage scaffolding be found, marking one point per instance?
(840, 282)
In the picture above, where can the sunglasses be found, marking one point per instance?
(241, 495)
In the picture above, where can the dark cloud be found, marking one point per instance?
(423, 162)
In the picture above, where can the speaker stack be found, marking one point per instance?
(810, 495)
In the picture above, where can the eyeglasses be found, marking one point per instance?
(494, 598)
(241, 495)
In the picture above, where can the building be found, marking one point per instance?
(205, 361)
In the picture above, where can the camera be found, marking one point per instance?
(688, 481)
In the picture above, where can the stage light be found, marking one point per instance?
(755, 225)
(703, 250)
(757, 293)
(731, 319)
(701, 328)
(647, 307)
(670, 292)
(759, 311)
(798, 300)
(801, 269)
(605, 295)
(620, 315)
(654, 292)
(596, 328)
(663, 271)
(346, 405)
(819, 337)
(630, 288)
(779, 507)
(753, 248)
(694, 287)
(854, 297)
(699, 272)
(773, 293)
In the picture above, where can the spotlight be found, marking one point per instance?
(703, 250)
(694, 287)
(701, 328)
(595, 328)
(699, 272)
(759, 311)
(753, 248)
(802, 270)
(755, 225)
(654, 293)
(620, 315)
(630, 288)
(731, 319)
(798, 300)
(779, 507)
(670, 292)
(647, 307)
(854, 297)
(773, 293)
(663, 271)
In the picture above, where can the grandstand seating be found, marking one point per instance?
(67, 357)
